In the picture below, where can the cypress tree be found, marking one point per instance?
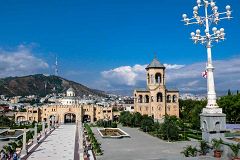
(229, 92)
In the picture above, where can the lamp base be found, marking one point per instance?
(211, 110)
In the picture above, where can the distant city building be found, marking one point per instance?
(156, 101)
(69, 110)
(187, 96)
(128, 105)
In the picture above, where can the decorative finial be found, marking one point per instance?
(155, 55)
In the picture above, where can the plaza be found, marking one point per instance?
(60, 144)
(140, 146)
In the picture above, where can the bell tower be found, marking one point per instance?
(156, 86)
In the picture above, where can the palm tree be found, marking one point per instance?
(235, 149)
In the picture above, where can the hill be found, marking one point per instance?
(41, 85)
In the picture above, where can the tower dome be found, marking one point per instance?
(70, 92)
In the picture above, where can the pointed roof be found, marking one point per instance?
(155, 64)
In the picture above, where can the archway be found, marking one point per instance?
(86, 118)
(159, 97)
(69, 118)
(158, 78)
(21, 119)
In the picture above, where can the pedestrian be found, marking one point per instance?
(3, 156)
(15, 157)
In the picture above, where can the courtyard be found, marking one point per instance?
(140, 146)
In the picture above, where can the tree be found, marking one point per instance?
(231, 105)
(169, 128)
(136, 119)
(147, 123)
(190, 111)
(5, 121)
(125, 118)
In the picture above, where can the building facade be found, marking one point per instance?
(156, 100)
(68, 111)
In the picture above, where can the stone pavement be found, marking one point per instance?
(140, 146)
(57, 146)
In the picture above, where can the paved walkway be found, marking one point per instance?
(57, 146)
(140, 146)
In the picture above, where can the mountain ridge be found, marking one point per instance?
(40, 84)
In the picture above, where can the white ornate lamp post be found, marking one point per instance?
(212, 119)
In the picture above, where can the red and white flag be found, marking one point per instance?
(204, 74)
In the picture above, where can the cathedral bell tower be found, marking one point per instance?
(156, 86)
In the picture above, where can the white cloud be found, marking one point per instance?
(125, 74)
(130, 75)
(184, 77)
(20, 61)
(173, 66)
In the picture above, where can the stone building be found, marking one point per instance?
(68, 111)
(156, 100)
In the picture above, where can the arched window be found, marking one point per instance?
(158, 78)
(168, 99)
(159, 97)
(217, 126)
(140, 99)
(205, 128)
(152, 98)
(146, 99)
(174, 99)
(148, 78)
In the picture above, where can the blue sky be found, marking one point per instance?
(92, 38)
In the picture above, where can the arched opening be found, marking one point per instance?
(168, 99)
(158, 78)
(174, 99)
(86, 118)
(140, 99)
(146, 99)
(148, 78)
(217, 126)
(69, 118)
(159, 97)
(205, 126)
(116, 118)
(21, 119)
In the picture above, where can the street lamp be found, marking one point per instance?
(208, 38)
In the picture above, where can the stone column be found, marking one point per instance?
(24, 146)
(35, 141)
(56, 120)
(43, 128)
(48, 123)
(53, 121)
